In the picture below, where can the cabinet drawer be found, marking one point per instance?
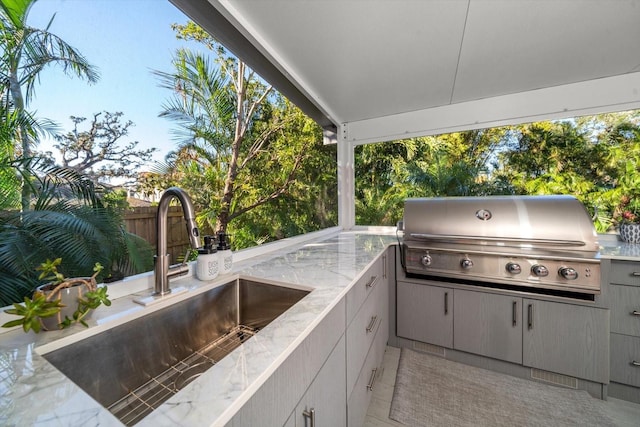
(359, 400)
(625, 309)
(363, 329)
(625, 359)
(363, 287)
(625, 273)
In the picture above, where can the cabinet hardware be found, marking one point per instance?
(446, 303)
(634, 363)
(635, 313)
(514, 313)
(371, 283)
(372, 379)
(530, 316)
(636, 274)
(372, 324)
(311, 416)
(384, 266)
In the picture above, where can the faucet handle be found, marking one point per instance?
(179, 269)
(186, 257)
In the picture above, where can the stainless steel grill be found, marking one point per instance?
(542, 242)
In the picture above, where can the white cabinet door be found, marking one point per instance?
(566, 339)
(489, 325)
(425, 313)
(325, 400)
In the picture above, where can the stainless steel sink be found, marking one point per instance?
(133, 368)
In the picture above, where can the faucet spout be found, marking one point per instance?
(162, 269)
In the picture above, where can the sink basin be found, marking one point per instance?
(133, 368)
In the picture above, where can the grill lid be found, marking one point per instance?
(551, 222)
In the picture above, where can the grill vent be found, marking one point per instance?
(428, 348)
(557, 379)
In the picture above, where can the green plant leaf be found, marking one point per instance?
(13, 323)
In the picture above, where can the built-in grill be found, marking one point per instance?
(527, 242)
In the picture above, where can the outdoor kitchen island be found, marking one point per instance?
(332, 263)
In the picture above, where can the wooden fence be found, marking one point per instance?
(141, 221)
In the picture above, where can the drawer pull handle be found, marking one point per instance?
(446, 303)
(384, 266)
(634, 363)
(636, 274)
(530, 316)
(372, 379)
(311, 415)
(372, 324)
(635, 313)
(514, 314)
(371, 283)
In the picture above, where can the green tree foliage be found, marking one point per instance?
(309, 203)
(446, 165)
(381, 180)
(242, 149)
(595, 158)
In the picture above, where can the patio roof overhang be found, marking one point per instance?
(378, 70)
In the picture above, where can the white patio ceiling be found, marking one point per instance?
(379, 69)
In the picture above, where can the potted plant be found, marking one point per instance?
(60, 302)
(629, 224)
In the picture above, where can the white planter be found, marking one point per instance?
(629, 233)
(68, 294)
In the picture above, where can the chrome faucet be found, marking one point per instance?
(162, 270)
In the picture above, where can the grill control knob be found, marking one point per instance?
(426, 260)
(568, 273)
(466, 263)
(513, 268)
(540, 270)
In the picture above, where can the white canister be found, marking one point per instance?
(224, 253)
(208, 263)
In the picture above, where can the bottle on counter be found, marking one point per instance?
(208, 264)
(224, 253)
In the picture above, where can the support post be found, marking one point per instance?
(346, 181)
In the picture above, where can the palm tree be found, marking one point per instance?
(25, 52)
(227, 121)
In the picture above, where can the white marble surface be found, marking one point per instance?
(613, 248)
(33, 392)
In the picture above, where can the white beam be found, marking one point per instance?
(346, 183)
(609, 94)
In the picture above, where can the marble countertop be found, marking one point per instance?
(33, 392)
(611, 247)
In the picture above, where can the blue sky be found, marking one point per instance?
(125, 39)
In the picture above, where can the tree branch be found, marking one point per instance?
(275, 194)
